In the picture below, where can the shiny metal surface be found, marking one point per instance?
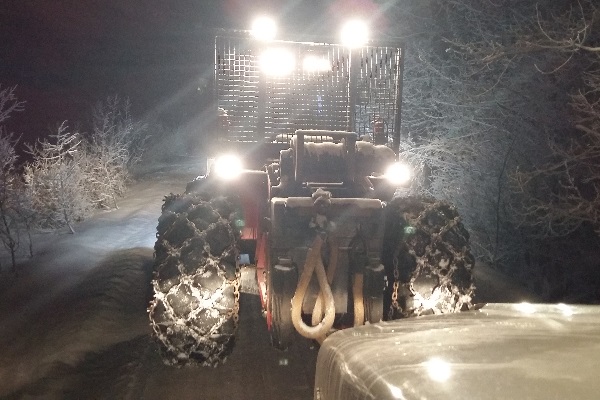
(502, 351)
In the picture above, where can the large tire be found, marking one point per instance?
(194, 310)
(426, 250)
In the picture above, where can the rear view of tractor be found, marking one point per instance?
(302, 204)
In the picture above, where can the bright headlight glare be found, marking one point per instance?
(354, 33)
(263, 28)
(398, 173)
(277, 62)
(227, 167)
(313, 63)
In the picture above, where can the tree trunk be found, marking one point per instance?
(30, 241)
(67, 220)
(14, 260)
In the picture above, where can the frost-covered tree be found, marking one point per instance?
(69, 173)
(562, 192)
(27, 213)
(115, 145)
(72, 173)
(9, 103)
(524, 111)
(56, 180)
(469, 125)
(9, 218)
(542, 59)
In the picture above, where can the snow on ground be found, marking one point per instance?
(80, 293)
(74, 323)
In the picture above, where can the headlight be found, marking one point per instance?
(227, 167)
(263, 28)
(354, 33)
(398, 173)
(277, 62)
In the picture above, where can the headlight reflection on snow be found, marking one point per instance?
(525, 308)
(438, 369)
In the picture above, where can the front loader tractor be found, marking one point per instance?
(302, 204)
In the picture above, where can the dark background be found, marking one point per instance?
(66, 55)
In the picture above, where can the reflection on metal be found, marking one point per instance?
(525, 308)
(396, 392)
(565, 309)
(438, 369)
(497, 352)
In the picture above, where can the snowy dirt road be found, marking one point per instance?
(74, 325)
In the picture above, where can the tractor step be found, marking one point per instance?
(248, 282)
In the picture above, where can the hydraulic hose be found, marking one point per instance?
(317, 313)
(313, 264)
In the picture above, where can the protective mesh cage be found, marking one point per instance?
(320, 92)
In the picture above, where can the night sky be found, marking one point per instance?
(65, 55)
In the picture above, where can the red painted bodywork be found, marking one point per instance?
(262, 263)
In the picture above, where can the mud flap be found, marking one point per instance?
(283, 280)
(374, 285)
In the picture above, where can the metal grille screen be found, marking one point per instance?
(263, 107)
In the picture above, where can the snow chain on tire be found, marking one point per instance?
(194, 313)
(429, 258)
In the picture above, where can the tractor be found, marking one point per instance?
(306, 203)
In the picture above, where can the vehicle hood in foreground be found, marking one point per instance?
(502, 351)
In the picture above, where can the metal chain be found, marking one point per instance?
(236, 295)
(419, 224)
(395, 287)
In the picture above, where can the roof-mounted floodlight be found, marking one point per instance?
(277, 62)
(264, 28)
(355, 33)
